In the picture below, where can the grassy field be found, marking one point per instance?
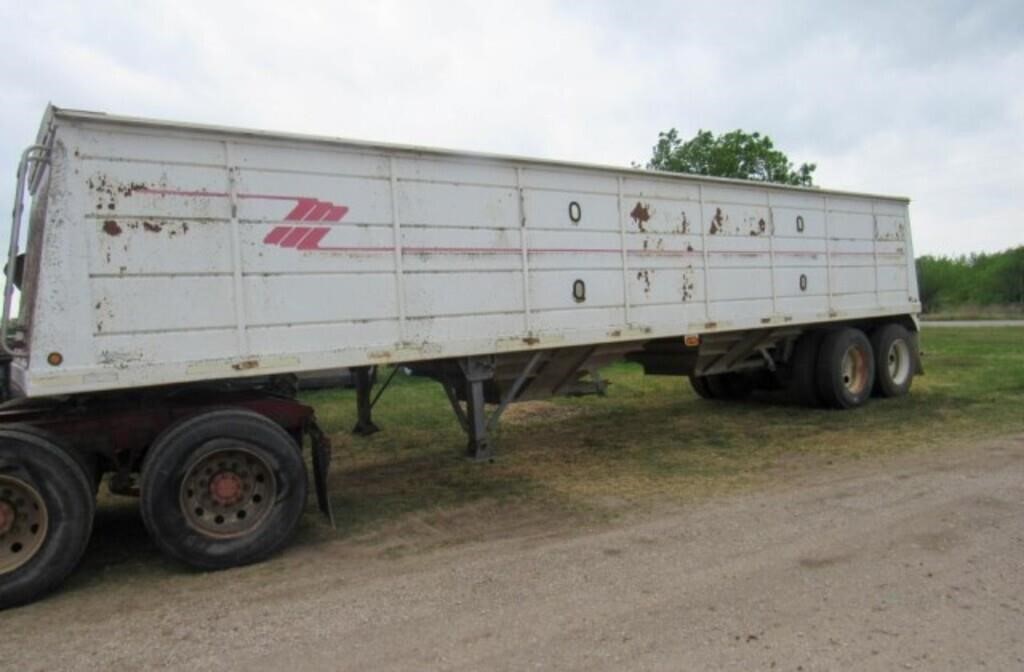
(1005, 311)
(651, 439)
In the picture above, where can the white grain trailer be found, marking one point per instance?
(173, 278)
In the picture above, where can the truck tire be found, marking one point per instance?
(802, 386)
(894, 363)
(222, 489)
(701, 387)
(846, 368)
(730, 386)
(86, 462)
(46, 514)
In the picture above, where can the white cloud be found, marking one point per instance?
(888, 98)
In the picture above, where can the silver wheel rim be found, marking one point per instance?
(227, 492)
(898, 361)
(855, 370)
(23, 523)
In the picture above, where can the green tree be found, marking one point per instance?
(747, 156)
(984, 279)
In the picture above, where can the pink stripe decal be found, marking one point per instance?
(295, 236)
(318, 212)
(276, 235)
(336, 213)
(301, 210)
(312, 241)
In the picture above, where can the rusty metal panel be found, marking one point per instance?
(169, 253)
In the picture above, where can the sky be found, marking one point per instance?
(919, 99)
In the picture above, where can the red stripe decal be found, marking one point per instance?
(336, 213)
(276, 234)
(312, 241)
(295, 236)
(300, 211)
(318, 211)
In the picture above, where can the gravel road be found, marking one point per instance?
(915, 562)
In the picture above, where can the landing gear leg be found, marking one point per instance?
(477, 371)
(365, 426)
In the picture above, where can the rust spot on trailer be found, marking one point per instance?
(246, 365)
(111, 228)
(687, 288)
(641, 214)
(711, 325)
(684, 224)
(689, 247)
(152, 228)
(615, 333)
(645, 277)
(127, 189)
(531, 340)
(717, 222)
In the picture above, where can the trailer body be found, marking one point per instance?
(177, 279)
(170, 253)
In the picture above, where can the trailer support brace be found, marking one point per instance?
(364, 407)
(477, 371)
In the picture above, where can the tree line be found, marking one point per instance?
(977, 279)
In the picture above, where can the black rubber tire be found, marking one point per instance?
(893, 341)
(701, 387)
(166, 465)
(730, 386)
(802, 386)
(834, 388)
(68, 496)
(87, 463)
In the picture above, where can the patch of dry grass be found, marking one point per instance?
(651, 439)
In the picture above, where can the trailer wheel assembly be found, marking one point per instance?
(46, 513)
(846, 368)
(223, 489)
(701, 387)
(730, 386)
(894, 365)
(802, 384)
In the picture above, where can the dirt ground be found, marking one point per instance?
(914, 562)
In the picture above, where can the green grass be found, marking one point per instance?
(969, 311)
(651, 439)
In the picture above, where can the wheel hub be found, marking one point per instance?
(854, 368)
(899, 362)
(226, 488)
(228, 491)
(23, 523)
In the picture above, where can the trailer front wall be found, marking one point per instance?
(173, 255)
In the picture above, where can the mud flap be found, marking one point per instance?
(320, 447)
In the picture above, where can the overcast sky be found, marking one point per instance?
(922, 99)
